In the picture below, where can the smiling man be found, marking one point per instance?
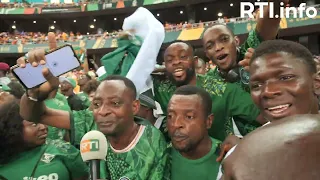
(283, 81)
(229, 99)
(223, 47)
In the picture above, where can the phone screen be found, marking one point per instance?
(58, 62)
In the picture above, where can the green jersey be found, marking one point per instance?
(60, 103)
(145, 158)
(253, 41)
(205, 168)
(229, 100)
(85, 99)
(57, 160)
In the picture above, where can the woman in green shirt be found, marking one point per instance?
(26, 156)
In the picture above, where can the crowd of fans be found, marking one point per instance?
(255, 116)
(40, 38)
(45, 3)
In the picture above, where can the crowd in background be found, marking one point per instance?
(17, 37)
(45, 3)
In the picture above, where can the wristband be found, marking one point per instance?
(31, 98)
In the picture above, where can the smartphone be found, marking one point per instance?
(58, 61)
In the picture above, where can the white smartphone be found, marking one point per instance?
(58, 61)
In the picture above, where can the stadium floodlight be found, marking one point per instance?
(94, 20)
(158, 14)
(13, 26)
(34, 22)
(205, 8)
(54, 21)
(181, 12)
(231, 4)
(115, 19)
(91, 26)
(219, 14)
(74, 20)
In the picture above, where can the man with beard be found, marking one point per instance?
(222, 46)
(284, 82)
(229, 99)
(194, 152)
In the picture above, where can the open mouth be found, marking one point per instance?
(278, 109)
(178, 72)
(222, 57)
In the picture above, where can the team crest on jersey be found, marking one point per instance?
(47, 158)
(124, 178)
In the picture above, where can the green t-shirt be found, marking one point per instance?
(85, 99)
(59, 160)
(253, 41)
(205, 168)
(148, 158)
(60, 103)
(228, 100)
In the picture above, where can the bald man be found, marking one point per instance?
(283, 150)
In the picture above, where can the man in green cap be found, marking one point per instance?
(67, 86)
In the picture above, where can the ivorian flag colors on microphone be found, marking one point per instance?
(59, 160)
(145, 158)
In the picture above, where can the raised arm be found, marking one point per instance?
(267, 27)
(36, 111)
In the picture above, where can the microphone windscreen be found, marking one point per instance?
(93, 146)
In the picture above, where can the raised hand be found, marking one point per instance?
(36, 57)
(247, 58)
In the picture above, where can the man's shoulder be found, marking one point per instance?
(212, 83)
(58, 146)
(162, 83)
(152, 137)
(82, 116)
(82, 113)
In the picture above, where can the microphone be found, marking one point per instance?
(93, 148)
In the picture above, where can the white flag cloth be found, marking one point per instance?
(152, 32)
